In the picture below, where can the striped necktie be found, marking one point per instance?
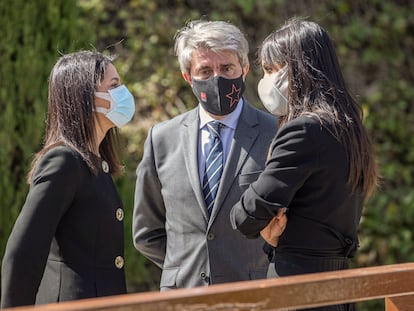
(214, 165)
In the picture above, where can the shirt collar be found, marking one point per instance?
(229, 120)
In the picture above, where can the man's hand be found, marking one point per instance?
(275, 228)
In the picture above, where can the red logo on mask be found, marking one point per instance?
(234, 96)
(203, 96)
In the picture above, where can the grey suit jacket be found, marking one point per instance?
(170, 222)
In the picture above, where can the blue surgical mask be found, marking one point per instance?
(122, 105)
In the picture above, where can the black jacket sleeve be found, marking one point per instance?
(54, 185)
(294, 156)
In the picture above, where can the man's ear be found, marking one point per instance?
(245, 71)
(187, 78)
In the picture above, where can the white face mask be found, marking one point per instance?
(273, 92)
(122, 106)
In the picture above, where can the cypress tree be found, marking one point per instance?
(33, 35)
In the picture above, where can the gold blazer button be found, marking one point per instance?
(105, 166)
(120, 214)
(119, 262)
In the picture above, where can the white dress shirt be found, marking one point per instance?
(226, 134)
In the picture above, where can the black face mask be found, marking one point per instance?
(218, 95)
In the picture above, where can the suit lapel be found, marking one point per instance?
(245, 135)
(189, 141)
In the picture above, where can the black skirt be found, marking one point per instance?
(294, 264)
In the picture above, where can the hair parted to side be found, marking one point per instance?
(71, 104)
(216, 36)
(317, 88)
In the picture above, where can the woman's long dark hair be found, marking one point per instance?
(317, 88)
(70, 117)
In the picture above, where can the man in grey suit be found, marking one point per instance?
(181, 212)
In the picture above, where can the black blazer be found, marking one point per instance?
(67, 242)
(307, 173)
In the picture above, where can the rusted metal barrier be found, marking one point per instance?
(394, 283)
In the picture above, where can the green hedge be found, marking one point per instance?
(33, 34)
(374, 40)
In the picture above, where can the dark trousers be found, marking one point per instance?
(285, 265)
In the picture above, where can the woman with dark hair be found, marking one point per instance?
(67, 243)
(321, 166)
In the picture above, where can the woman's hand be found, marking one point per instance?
(275, 228)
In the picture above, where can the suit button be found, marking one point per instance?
(204, 277)
(210, 236)
(119, 262)
(120, 214)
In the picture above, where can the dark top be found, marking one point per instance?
(67, 242)
(307, 173)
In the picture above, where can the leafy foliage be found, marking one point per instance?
(33, 35)
(374, 41)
